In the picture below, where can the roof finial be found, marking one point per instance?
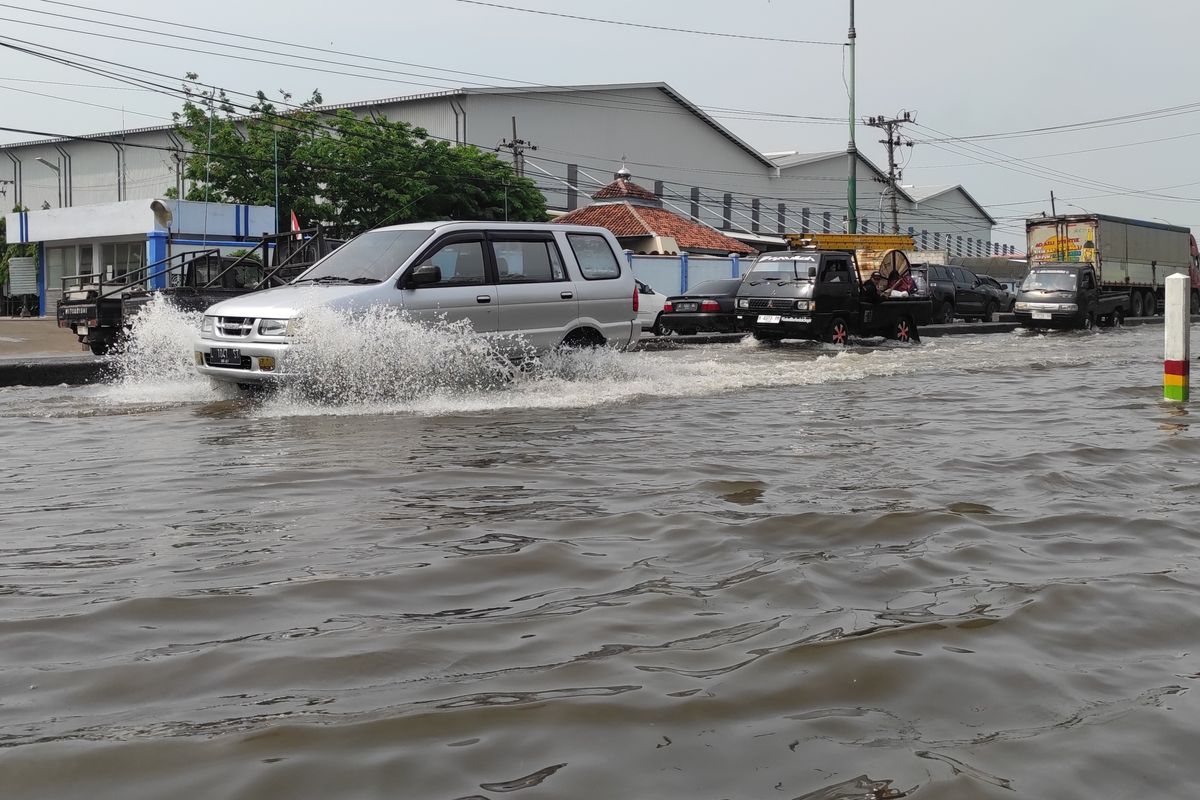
(623, 174)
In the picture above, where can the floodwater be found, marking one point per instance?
(965, 569)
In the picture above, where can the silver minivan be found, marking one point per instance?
(550, 284)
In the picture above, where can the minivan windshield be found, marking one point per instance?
(370, 258)
(781, 267)
(1056, 280)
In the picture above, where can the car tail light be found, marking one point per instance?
(667, 307)
(710, 305)
(635, 298)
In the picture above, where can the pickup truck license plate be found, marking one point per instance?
(686, 306)
(768, 319)
(81, 330)
(798, 320)
(1042, 315)
(225, 356)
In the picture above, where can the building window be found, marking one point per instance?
(122, 261)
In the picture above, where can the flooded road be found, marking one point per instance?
(966, 569)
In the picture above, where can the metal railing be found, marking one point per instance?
(138, 276)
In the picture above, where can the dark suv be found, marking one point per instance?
(974, 298)
(935, 282)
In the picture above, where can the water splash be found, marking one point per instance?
(154, 361)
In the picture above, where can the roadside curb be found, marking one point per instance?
(73, 370)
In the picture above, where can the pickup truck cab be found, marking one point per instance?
(1068, 296)
(545, 284)
(819, 294)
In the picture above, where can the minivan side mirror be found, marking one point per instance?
(425, 275)
(812, 272)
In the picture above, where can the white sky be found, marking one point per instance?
(967, 67)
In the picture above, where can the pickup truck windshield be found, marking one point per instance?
(1059, 280)
(370, 258)
(781, 267)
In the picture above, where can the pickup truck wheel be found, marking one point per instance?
(1116, 319)
(904, 331)
(837, 333)
(1135, 304)
(768, 336)
(1089, 321)
(99, 348)
(947, 315)
(989, 310)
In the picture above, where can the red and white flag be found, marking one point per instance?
(295, 225)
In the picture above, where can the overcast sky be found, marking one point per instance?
(967, 68)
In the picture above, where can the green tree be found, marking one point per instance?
(340, 170)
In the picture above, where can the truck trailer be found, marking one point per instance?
(1128, 255)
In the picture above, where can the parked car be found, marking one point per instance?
(707, 306)
(550, 284)
(935, 282)
(1004, 296)
(973, 298)
(650, 306)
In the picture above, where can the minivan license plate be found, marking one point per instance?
(225, 356)
(768, 319)
(1042, 315)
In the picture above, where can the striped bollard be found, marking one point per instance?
(1177, 338)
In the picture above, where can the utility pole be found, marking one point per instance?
(852, 150)
(1053, 210)
(517, 147)
(892, 128)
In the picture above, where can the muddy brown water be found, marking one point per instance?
(967, 569)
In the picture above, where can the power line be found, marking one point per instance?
(650, 27)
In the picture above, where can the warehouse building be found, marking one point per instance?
(578, 138)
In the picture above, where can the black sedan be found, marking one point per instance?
(705, 307)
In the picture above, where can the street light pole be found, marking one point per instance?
(57, 173)
(852, 150)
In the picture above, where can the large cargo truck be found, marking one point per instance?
(1127, 254)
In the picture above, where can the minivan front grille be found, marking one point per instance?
(235, 326)
(780, 303)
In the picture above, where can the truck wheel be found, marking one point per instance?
(1089, 321)
(837, 333)
(1195, 303)
(1116, 319)
(904, 331)
(947, 315)
(1135, 304)
(1151, 304)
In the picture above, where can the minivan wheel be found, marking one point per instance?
(1089, 321)
(583, 338)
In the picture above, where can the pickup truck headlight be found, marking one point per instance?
(743, 303)
(206, 326)
(802, 305)
(1071, 307)
(274, 327)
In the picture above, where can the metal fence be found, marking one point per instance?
(672, 275)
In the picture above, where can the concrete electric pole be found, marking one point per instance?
(852, 150)
(517, 147)
(892, 128)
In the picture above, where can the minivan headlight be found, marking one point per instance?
(802, 305)
(206, 326)
(274, 327)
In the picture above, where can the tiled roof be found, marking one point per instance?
(623, 188)
(626, 220)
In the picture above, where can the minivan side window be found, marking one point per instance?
(535, 261)
(595, 256)
(461, 264)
